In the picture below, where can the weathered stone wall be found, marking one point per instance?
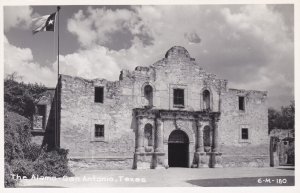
(178, 71)
(118, 163)
(255, 150)
(79, 114)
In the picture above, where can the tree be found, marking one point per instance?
(20, 97)
(283, 118)
(23, 157)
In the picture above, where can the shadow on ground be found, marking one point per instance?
(286, 168)
(249, 181)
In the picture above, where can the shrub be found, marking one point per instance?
(17, 135)
(52, 163)
(9, 182)
(22, 167)
(291, 154)
(32, 152)
(19, 97)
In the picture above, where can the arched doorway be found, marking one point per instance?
(178, 149)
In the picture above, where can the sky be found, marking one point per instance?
(252, 46)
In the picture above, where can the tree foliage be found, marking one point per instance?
(17, 136)
(19, 97)
(283, 118)
(22, 157)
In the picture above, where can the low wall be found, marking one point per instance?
(245, 161)
(101, 163)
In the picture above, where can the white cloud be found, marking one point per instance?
(17, 16)
(96, 25)
(20, 60)
(90, 64)
(268, 37)
(192, 37)
(262, 22)
(250, 46)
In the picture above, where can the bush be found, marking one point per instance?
(32, 152)
(291, 154)
(22, 167)
(17, 135)
(52, 163)
(19, 97)
(9, 182)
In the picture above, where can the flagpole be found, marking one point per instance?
(58, 8)
(57, 102)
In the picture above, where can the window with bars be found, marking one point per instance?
(99, 130)
(41, 111)
(178, 97)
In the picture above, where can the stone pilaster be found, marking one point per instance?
(200, 146)
(216, 155)
(159, 145)
(216, 138)
(140, 136)
(201, 157)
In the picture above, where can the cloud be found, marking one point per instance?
(90, 64)
(97, 26)
(192, 38)
(20, 60)
(268, 62)
(250, 45)
(17, 16)
(93, 63)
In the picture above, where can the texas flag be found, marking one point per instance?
(43, 23)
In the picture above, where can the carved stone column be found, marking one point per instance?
(201, 157)
(140, 136)
(200, 145)
(216, 137)
(216, 156)
(159, 145)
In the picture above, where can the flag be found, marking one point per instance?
(43, 23)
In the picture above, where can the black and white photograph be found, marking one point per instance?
(148, 95)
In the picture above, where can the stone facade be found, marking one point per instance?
(170, 114)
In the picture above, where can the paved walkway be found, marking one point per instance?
(178, 177)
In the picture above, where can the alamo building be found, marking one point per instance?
(169, 114)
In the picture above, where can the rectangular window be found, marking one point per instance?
(245, 134)
(179, 97)
(99, 92)
(41, 111)
(99, 130)
(241, 103)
